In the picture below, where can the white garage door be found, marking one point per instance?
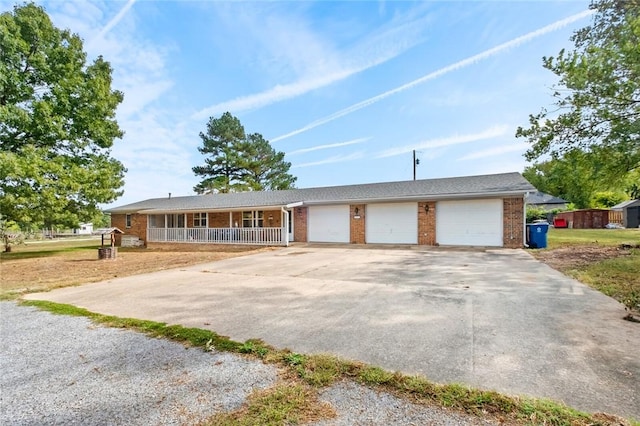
(328, 224)
(469, 223)
(395, 223)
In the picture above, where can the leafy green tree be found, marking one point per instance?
(10, 235)
(575, 177)
(598, 95)
(238, 162)
(57, 124)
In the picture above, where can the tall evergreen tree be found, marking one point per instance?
(222, 145)
(264, 169)
(238, 162)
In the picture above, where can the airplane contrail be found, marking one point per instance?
(442, 71)
(114, 21)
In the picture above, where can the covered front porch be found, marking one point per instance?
(252, 236)
(268, 226)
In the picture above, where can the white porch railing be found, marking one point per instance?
(253, 236)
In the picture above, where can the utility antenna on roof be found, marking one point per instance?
(416, 161)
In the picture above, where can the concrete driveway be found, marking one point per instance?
(494, 319)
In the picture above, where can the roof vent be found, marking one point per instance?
(169, 195)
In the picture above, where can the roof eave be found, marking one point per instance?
(423, 197)
(211, 210)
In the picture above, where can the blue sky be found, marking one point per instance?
(346, 89)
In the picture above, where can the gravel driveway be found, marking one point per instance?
(59, 370)
(65, 370)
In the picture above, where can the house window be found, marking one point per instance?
(127, 221)
(166, 221)
(175, 221)
(199, 220)
(253, 219)
(156, 221)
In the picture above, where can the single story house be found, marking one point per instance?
(630, 213)
(545, 201)
(487, 210)
(84, 229)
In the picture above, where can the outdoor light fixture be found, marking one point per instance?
(356, 210)
(426, 208)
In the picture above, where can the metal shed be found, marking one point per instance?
(630, 213)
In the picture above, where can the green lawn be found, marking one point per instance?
(608, 237)
(618, 277)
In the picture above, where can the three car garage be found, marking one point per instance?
(476, 222)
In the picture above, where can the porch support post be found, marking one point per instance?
(285, 227)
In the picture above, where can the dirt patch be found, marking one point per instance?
(83, 266)
(566, 258)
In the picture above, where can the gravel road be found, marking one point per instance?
(65, 370)
(61, 370)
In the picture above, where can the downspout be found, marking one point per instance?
(524, 220)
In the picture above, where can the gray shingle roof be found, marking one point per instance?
(427, 189)
(542, 198)
(625, 204)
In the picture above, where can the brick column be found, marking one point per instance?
(427, 223)
(300, 224)
(357, 224)
(513, 215)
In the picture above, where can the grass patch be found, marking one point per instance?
(296, 399)
(618, 278)
(195, 337)
(560, 237)
(48, 251)
(596, 258)
(285, 404)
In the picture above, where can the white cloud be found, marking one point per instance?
(331, 160)
(492, 132)
(318, 63)
(442, 71)
(495, 151)
(328, 146)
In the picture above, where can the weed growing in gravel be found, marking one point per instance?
(255, 347)
(285, 404)
(296, 400)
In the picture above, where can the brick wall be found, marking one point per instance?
(300, 224)
(187, 247)
(357, 226)
(218, 220)
(513, 222)
(276, 220)
(138, 226)
(427, 223)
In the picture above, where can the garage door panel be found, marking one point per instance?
(328, 224)
(469, 223)
(392, 223)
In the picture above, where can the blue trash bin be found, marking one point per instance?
(537, 235)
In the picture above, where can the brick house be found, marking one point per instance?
(487, 210)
